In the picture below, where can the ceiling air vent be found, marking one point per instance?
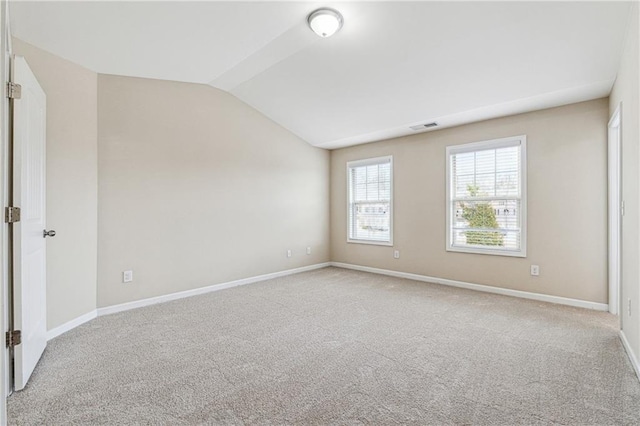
(424, 126)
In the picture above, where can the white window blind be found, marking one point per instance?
(370, 201)
(486, 191)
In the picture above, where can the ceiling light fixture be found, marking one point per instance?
(325, 22)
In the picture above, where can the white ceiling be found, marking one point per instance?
(393, 64)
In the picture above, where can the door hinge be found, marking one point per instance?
(13, 338)
(12, 215)
(14, 90)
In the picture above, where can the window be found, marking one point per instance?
(370, 204)
(486, 197)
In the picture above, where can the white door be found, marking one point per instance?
(29, 248)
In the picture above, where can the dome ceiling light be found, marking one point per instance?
(325, 22)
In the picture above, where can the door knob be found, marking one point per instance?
(46, 233)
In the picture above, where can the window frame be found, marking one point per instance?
(369, 162)
(520, 141)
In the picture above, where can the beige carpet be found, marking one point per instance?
(337, 347)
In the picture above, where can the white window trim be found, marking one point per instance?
(490, 144)
(367, 162)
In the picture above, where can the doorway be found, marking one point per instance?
(616, 211)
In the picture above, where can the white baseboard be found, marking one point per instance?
(55, 332)
(630, 353)
(202, 290)
(478, 287)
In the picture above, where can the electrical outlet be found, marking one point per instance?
(127, 276)
(396, 254)
(308, 250)
(288, 253)
(535, 270)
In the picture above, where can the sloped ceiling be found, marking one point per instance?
(393, 64)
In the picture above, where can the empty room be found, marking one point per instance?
(269, 212)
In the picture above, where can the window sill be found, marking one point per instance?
(470, 250)
(372, 243)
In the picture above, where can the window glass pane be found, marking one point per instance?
(507, 213)
(372, 191)
(507, 184)
(494, 214)
(360, 174)
(486, 161)
(463, 184)
(485, 185)
(385, 190)
(372, 222)
(507, 159)
(360, 193)
(505, 240)
(372, 173)
(464, 164)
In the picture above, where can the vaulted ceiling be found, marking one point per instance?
(392, 65)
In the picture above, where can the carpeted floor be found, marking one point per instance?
(334, 346)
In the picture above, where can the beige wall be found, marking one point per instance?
(626, 90)
(197, 188)
(72, 173)
(567, 233)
